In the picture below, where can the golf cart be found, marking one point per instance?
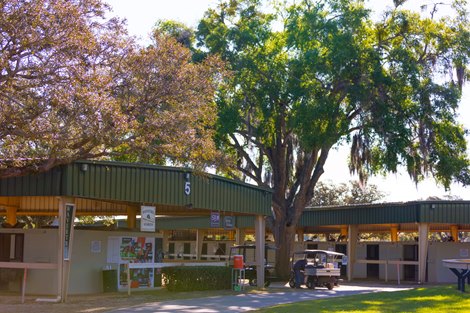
(249, 262)
(319, 268)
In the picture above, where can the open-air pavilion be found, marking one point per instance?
(417, 258)
(409, 247)
(198, 217)
(72, 260)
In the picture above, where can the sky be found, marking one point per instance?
(141, 16)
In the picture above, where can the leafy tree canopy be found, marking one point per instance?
(74, 85)
(312, 75)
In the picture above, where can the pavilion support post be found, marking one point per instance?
(66, 220)
(11, 216)
(199, 242)
(131, 217)
(394, 233)
(423, 230)
(260, 230)
(240, 236)
(454, 232)
(352, 244)
(165, 246)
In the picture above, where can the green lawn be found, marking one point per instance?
(443, 299)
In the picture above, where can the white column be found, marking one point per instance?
(63, 265)
(423, 229)
(352, 244)
(240, 236)
(199, 242)
(60, 250)
(260, 232)
(165, 247)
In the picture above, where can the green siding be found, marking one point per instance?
(366, 214)
(43, 184)
(165, 186)
(389, 213)
(201, 222)
(245, 221)
(142, 184)
(174, 223)
(457, 212)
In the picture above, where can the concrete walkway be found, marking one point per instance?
(250, 301)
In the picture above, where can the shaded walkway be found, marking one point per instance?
(248, 302)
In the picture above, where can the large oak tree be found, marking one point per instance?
(311, 76)
(74, 85)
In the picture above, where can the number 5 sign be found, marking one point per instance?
(187, 188)
(187, 184)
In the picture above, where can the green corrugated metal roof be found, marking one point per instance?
(389, 213)
(437, 212)
(453, 212)
(140, 183)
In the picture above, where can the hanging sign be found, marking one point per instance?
(229, 222)
(147, 218)
(215, 219)
(69, 216)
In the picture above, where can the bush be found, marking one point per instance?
(197, 278)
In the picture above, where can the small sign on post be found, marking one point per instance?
(147, 218)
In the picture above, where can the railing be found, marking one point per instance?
(194, 256)
(25, 267)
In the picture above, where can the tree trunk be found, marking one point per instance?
(284, 236)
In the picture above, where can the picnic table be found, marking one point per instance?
(461, 269)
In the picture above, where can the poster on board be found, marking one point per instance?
(136, 250)
(139, 277)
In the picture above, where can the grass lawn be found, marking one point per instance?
(443, 299)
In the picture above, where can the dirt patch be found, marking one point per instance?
(11, 303)
(75, 304)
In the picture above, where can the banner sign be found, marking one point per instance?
(69, 216)
(147, 218)
(215, 219)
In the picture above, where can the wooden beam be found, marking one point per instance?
(131, 217)
(11, 216)
(10, 201)
(454, 232)
(394, 233)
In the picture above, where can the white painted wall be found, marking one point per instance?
(41, 245)
(86, 270)
(439, 251)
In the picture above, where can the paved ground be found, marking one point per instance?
(248, 302)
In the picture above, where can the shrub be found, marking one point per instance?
(194, 278)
